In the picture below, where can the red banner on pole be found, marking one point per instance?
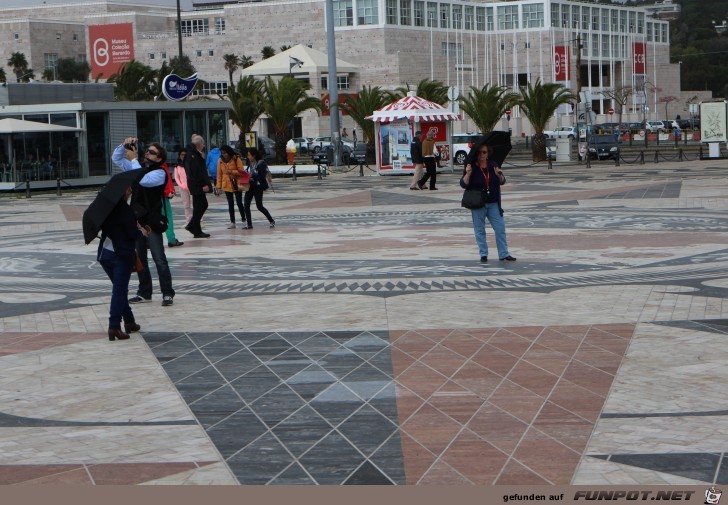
(561, 63)
(110, 46)
(639, 50)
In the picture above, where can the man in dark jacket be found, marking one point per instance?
(198, 182)
(146, 202)
(416, 155)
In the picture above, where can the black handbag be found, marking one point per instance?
(473, 199)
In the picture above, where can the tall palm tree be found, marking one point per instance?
(434, 91)
(369, 99)
(539, 102)
(247, 106)
(285, 48)
(267, 52)
(486, 106)
(19, 64)
(134, 81)
(246, 61)
(232, 63)
(283, 101)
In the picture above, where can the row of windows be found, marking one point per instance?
(74, 36)
(504, 17)
(50, 60)
(201, 26)
(342, 82)
(198, 53)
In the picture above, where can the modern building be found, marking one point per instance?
(390, 42)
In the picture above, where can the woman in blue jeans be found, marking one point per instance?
(486, 174)
(117, 255)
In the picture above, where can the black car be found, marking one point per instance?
(603, 146)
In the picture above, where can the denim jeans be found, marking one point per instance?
(231, 208)
(491, 211)
(119, 271)
(154, 244)
(256, 193)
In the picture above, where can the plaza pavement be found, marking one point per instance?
(361, 341)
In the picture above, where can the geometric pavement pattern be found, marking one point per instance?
(480, 406)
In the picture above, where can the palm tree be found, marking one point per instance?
(359, 107)
(285, 48)
(434, 91)
(134, 81)
(247, 106)
(19, 65)
(538, 103)
(232, 63)
(246, 61)
(486, 106)
(282, 102)
(267, 52)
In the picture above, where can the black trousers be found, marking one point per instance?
(231, 205)
(430, 172)
(256, 193)
(199, 206)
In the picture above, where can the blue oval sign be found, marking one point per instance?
(177, 88)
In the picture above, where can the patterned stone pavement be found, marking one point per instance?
(362, 342)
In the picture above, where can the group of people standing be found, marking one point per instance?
(135, 227)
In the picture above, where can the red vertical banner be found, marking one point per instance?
(639, 51)
(110, 46)
(561, 63)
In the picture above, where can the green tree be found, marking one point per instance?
(285, 48)
(538, 103)
(183, 66)
(434, 91)
(70, 70)
(267, 52)
(246, 61)
(134, 81)
(369, 99)
(247, 105)
(48, 74)
(19, 64)
(3, 77)
(282, 102)
(232, 63)
(486, 106)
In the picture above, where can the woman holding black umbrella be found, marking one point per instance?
(485, 175)
(117, 255)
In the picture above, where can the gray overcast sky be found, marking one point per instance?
(185, 4)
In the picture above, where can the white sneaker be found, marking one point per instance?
(231, 227)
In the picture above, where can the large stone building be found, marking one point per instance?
(391, 42)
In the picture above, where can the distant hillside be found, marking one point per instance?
(694, 41)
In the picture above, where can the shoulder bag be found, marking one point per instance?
(475, 198)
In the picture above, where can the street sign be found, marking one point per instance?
(453, 93)
(610, 111)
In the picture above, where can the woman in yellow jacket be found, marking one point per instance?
(233, 180)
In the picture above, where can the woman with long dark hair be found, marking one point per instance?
(258, 170)
(232, 179)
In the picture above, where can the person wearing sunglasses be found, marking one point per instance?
(148, 206)
(487, 176)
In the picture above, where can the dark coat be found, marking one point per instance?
(196, 169)
(477, 181)
(120, 226)
(148, 201)
(416, 150)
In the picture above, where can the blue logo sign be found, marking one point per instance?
(176, 88)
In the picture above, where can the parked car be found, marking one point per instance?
(301, 144)
(461, 145)
(321, 143)
(654, 126)
(687, 124)
(568, 132)
(603, 146)
(670, 124)
(606, 127)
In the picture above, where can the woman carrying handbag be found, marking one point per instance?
(233, 180)
(258, 170)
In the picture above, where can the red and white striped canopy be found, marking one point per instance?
(413, 108)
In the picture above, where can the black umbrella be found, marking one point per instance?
(499, 143)
(105, 201)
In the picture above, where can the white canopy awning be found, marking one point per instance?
(12, 125)
(415, 109)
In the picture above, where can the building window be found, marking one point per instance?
(75, 36)
(595, 19)
(191, 26)
(640, 22)
(555, 15)
(532, 15)
(16, 36)
(432, 14)
(480, 19)
(58, 36)
(595, 45)
(632, 21)
(405, 12)
(507, 17)
(575, 13)
(585, 12)
(199, 52)
(210, 52)
(457, 17)
(342, 82)
(605, 20)
(219, 26)
(212, 88)
(391, 12)
(444, 15)
(452, 50)
(623, 21)
(50, 60)
(565, 13)
(419, 13)
(343, 13)
(664, 33)
(615, 20)
(469, 18)
(489, 18)
(164, 56)
(151, 56)
(649, 32)
(367, 12)
(605, 46)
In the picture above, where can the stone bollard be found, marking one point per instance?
(27, 188)
(642, 157)
(657, 156)
(293, 177)
(58, 186)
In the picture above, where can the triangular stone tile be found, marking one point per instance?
(697, 466)
(368, 474)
